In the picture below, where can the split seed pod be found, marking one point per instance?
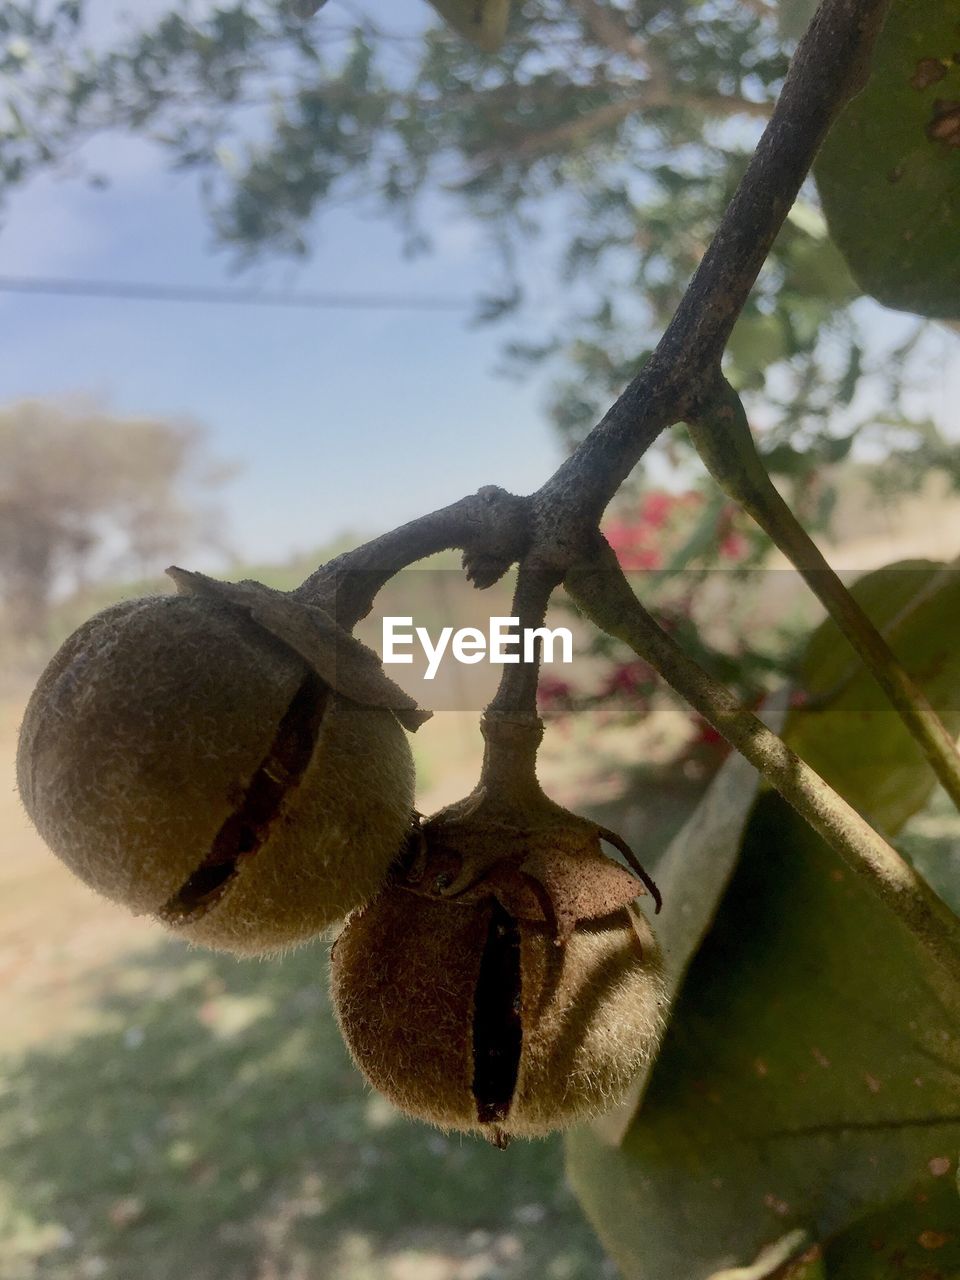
(526, 1001)
(228, 761)
(463, 1016)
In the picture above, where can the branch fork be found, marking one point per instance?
(553, 534)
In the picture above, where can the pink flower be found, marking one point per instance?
(554, 696)
(705, 734)
(631, 542)
(656, 509)
(629, 677)
(733, 546)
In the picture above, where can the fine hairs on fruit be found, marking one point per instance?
(471, 1019)
(503, 982)
(186, 762)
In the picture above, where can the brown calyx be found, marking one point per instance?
(246, 830)
(509, 842)
(555, 874)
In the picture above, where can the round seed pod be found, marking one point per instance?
(184, 761)
(471, 1019)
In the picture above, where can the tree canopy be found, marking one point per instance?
(83, 492)
(615, 133)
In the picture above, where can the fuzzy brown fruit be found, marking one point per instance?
(185, 761)
(469, 1018)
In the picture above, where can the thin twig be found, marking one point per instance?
(724, 441)
(490, 526)
(517, 693)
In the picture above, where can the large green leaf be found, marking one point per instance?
(810, 1079)
(889, 171)
(692, 875)
(847, 731)
(810, 1076)
(899, 1240)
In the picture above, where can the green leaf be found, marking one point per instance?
(810, 1076)
(484, 22)
(692, 876)
(757, 341)
(899, 1240)
(703, 537)
(889, 171)
(793, 17)
(847, 731)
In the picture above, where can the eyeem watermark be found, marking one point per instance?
(502, 643)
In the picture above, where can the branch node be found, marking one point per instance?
(498, 535)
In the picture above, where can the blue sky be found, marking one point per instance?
(338, 420)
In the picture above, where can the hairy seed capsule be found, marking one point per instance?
(471, 1019)
(184, 761)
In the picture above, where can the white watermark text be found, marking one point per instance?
(502, 642)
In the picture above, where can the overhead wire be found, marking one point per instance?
(149, 291)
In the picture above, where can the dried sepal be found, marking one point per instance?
(550, 870)
(556, 876)
(340, 659)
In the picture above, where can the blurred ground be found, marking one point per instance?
(167, 1113)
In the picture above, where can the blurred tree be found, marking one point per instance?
(84, 493)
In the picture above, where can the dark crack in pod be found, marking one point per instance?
(469, 1018)
(183, 760)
